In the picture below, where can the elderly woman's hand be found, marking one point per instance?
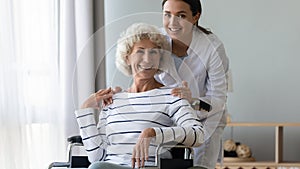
(183, 92)
(96, 98)
(102, 95)
(108, 100)
(140, 152)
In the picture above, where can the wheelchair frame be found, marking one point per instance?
(184, 162)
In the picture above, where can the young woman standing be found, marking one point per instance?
(202, 64)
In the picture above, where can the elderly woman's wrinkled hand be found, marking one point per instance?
(94, 99)
(183, 92)
(140, 152)
(108, 100)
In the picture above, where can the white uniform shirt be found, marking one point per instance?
(205, 68)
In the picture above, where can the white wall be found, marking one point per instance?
(262, 40)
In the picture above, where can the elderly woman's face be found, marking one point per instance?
(144, 59)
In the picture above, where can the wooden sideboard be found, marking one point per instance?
(278, 162)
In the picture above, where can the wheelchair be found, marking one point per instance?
(182, 157)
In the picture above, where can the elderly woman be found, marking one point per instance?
(143, 116)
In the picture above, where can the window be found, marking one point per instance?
(30, 107)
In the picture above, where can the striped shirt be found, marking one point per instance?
(121, 123)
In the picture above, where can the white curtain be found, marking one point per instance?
(77, 57)
(47, 69)
(30, 107)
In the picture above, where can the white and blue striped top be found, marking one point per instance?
(121, 123)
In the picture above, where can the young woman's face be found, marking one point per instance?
(144, 59)
(178, 19)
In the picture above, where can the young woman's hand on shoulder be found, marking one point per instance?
(183, 92)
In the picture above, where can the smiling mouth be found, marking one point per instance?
(146, 67)
(175, 29)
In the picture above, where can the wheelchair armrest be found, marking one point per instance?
(73, 161)
(75, 139)
(182, 160)
(59, 164)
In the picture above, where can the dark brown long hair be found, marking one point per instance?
(195, 6)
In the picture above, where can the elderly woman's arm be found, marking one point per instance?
(93, 136)
(188, 130)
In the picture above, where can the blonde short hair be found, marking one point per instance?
(135, 33)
